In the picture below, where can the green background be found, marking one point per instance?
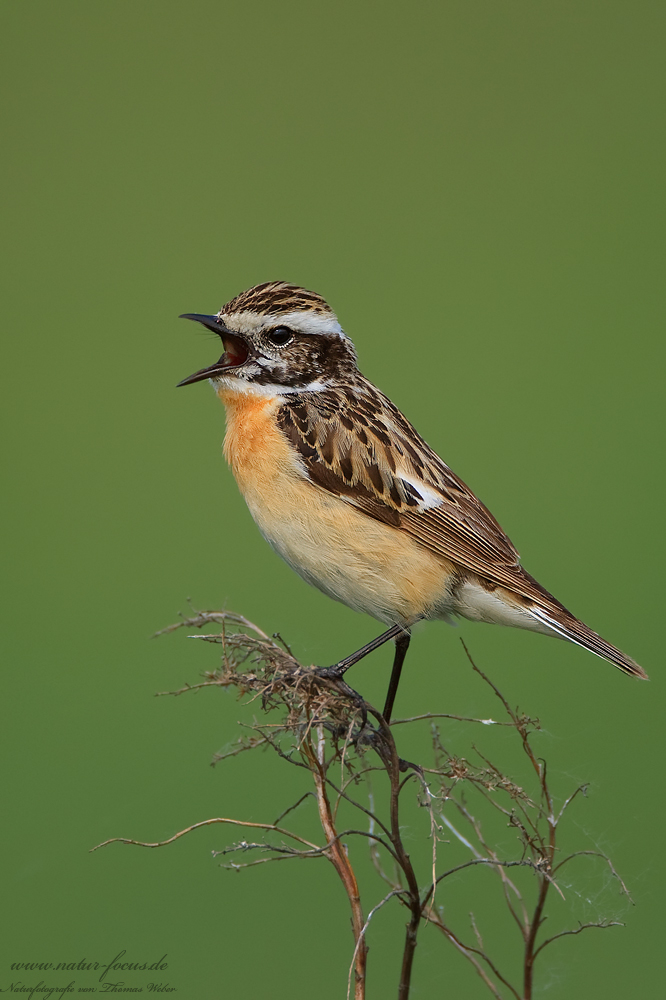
(477, 188)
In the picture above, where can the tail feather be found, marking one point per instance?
(568, 627)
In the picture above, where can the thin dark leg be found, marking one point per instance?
(339, 669)
(401, 647)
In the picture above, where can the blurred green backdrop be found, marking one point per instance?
(477, 188)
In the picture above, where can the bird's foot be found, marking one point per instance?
(366, 735)
(336, 674)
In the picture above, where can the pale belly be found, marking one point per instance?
(366, 565)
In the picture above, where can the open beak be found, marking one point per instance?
(236, 350)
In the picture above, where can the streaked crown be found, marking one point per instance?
(274, 298)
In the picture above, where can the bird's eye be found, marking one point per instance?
(280, 336)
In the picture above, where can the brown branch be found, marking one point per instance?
(339, 859)
(188, 687)
(469, 953)
(201, 618)
(374, 853)
(601, 925)
(330, 724)
(509, 711)
(291, 808)
(391, 760)
(582, 789)
(394, 892)
(293, 852)
(547, 849)
(507, 883)
(197, 826)
(243, 743)
(446, 715)
(604, 857)
(359, 806)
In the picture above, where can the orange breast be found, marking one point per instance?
(252, 435)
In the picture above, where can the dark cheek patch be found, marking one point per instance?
(308, 359)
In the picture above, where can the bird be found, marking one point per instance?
(349, 494)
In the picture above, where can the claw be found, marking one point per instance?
(336, 674)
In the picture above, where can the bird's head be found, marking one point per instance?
(277, 338)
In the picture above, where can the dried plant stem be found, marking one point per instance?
(325, 728)
(198, 826)
(413, 896)
(337, 854)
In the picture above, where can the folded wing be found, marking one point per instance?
(356, 444)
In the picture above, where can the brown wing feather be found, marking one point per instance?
(355, 443)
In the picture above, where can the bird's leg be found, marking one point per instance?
(339, 669)
(401, 647)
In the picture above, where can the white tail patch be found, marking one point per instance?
(579, 633)
(559, 630)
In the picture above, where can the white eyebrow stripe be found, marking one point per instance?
(302, 321)
(308, 322)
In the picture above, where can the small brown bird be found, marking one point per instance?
(350, 495)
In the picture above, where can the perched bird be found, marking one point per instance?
(350, 495)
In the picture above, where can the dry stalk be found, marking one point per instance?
(326, 728)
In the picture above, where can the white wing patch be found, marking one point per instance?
(430, 497)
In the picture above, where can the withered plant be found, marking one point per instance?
(328, 730)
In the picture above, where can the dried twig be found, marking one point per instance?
(322, 725)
